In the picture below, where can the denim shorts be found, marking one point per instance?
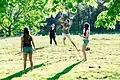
(85, 41)
(66, 35)
(27, 50)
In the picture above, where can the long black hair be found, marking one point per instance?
(25, 32)
(86, 27)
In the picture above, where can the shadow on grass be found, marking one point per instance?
(66, 70)
(41, 47)
(20, 73)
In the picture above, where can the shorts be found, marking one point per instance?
(27, 50)
(66, 35)
(85, 41)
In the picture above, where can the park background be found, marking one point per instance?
(61, 62)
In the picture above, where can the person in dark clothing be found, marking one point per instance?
(52, 34)
(26, 47)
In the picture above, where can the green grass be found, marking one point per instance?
(62, 62)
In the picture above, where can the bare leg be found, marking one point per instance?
(84, 53)
(68, 36)
(64, 40)
(54, 40)
(24, 59)
(74, 45)
(31, 62)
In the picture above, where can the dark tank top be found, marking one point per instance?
(52, 32)
(27, 41)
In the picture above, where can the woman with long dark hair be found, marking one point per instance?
(86, 33)
(26, 47)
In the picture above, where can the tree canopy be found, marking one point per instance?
(15, 14)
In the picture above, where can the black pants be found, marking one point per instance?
(52, 37)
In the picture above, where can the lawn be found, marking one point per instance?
(61, 62)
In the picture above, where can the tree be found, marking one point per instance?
(15, 14)
(21, 13)
(108, 18)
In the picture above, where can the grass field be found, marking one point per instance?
(62, 62)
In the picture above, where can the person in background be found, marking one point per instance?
(65, 32)
(52, 34)
(86, 34)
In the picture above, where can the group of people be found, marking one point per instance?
(65, 25)
(27, 40)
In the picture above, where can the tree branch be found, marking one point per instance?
(4, 27)
(100, 3)
(97, 1)
(103, 2)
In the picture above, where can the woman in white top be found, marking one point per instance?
(86, 34)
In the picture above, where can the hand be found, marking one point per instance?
(21, 51)
(34, 49)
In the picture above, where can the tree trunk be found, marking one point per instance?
(93, 19)
(94, 15)
(9, 32)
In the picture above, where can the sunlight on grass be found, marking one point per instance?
(103, 59)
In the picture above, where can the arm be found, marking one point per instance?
(21, 44)
(83, 36)
(62, 23)
(67, 28)
(87, 35)
(33, 43)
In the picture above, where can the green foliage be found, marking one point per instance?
(3, 5)
(105, 21)
(55, 1)
(80, 1)
(20, 13)
(6, 21)
(15, 14)
(74, 9)
(23, 13)
(114, 8)
(92, 3)
(109, 17)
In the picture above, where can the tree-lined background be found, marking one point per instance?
(61, 62)
(103, 15)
